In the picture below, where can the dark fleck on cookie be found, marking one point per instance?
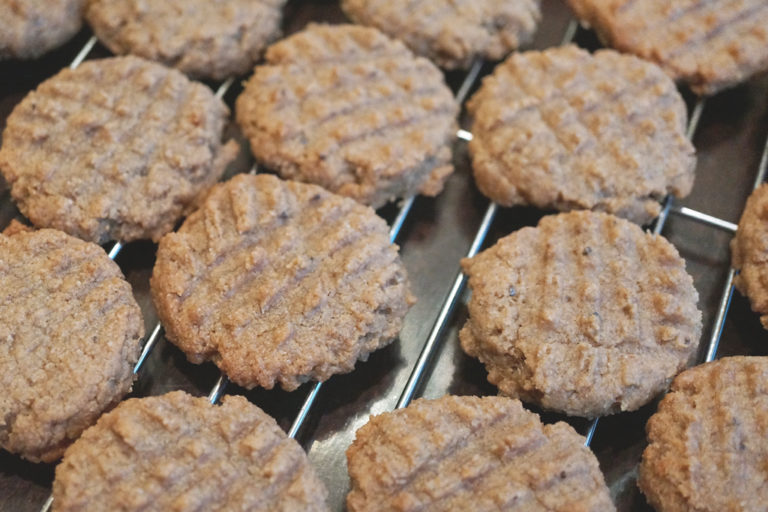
(69, 338)
(30, 28)
(203, 38)
(116, 149)
(452, 34)
(178, 452)
(584, 314)
(708, 44)
(470, 453)
(351, 110)
(708, 442)
(748, 253)
(279, 281)
(563, 129)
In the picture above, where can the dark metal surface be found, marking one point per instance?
(436, 234)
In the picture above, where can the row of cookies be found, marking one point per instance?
(440, 454)
(707, 45)
(306, 129)
(219, 39)
(445, 454)
(101, 151)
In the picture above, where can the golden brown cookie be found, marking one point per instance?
(585, 314)
(203, 38)
(30, 28)
(708, 44)
(279, 281)
(351, 110)
(563, 129)
(178, 452)
(748, 253)
(470, 453)
(708, 442)
(69, 338)
(452, 34)
(116, 149)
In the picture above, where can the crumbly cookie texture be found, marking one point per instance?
(451, 34)
(30, 28)
(279, 282)
(470, 453)
(212, 39)
(708, 44)
(585, 314)
(117, 149)
(708, 442)
(69, 338)
(748, 253)
(351, 110)
(178, 452)
(563, 129)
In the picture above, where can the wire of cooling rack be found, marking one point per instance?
(427, 351)
(83, 53)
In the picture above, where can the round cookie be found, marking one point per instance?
(31, 28)
(708, 442)
(563, 129)
(584, 314)
(69, 338)
(748, 250)
(351, 110)
(452, 34)
(204, 38)
(279, 282)
(183, 453)
(116, 149)
(708, 44)
(470, 453)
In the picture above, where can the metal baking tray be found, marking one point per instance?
(437, 232)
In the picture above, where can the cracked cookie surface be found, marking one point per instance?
(470, 453)
(31, 28)
(183, 453)
(708, 44)
(708, 441)
(70, 335)
(563, 129)
(280, 281)
(117, 149)
(584, 314)
(212, 39)
(451, 34)
(347, 108)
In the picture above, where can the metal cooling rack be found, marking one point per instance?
(426, 360)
